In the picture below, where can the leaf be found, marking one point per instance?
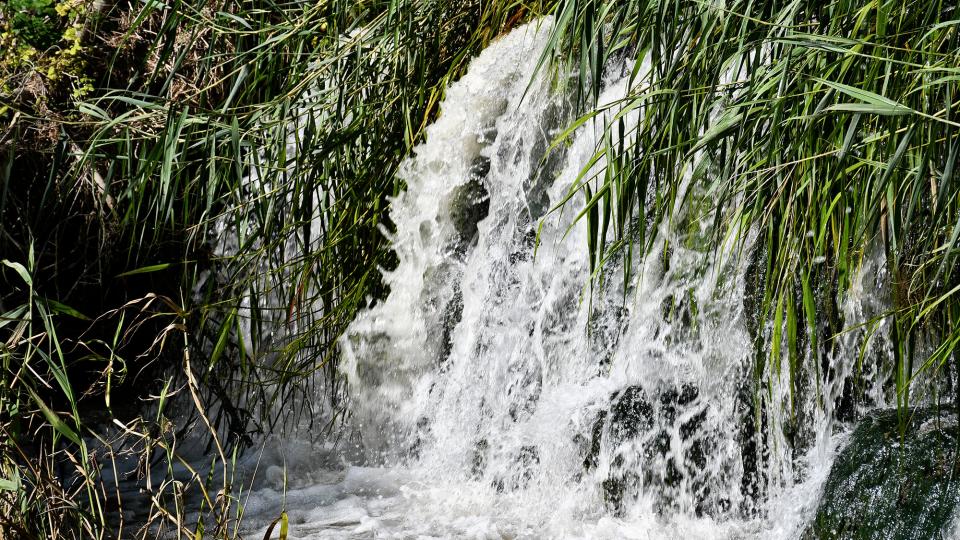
(897, 156)
(283, 520)
(222, 339)
(135, 102)
(926, 310)
(877, 103)
(239, 20)
(20, 269)
(57, 307)
(728, 120)
(865, 108)
(14, 315)
(92, 110)
(848, 139)
(54, 420)
(244, 71)
(146, 269)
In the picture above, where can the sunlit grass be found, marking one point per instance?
(827, 127)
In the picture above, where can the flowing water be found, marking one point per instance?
(494, 394)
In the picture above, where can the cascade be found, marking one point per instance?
(498, 392)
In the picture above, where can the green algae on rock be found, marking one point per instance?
(883, 485)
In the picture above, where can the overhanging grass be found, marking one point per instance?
(319, 102)
(826, 126)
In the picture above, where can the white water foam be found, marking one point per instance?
(497, 396)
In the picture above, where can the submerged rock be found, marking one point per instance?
(469, 205)
(658, 445)
(883, 485)
(631, 414)
(524, 462)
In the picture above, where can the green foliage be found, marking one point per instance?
(42, 57)
(280, 123)
(36, 22)
(32, 347)
(826, 127)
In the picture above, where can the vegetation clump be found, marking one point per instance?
(43, 57)
(828, 132)
(142, 217)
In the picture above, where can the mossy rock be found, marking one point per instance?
(886, 486)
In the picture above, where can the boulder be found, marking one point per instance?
(891, 482)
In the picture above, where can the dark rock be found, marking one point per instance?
(671, 399)
(682, 313)
(613, 492)
(639, 434)
(525, 242)
(469, 205)
(661, 444)
(480, 451)
(423, 432)
(618, 488)
(452, 313)
(596, 436)
(525, 461)
(525, 394)
(528, 457)
(631, 414)
(536, 186)
(883, 485)
(754, 450)
(606, 325)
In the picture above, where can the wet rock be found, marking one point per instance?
(524, 394)
(536, 186)
(423, 433)
(617, 489)
(525, 242)
(606, 325)
(643, 435)
(528, 457)
(596, 436)
(469, 205)
(452, 313)
(682, 312)
(631, 414)
(524, 462)
(672, 399)
(754, 450)
(479, 461)
(883, 485)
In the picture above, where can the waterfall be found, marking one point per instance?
(498, 392)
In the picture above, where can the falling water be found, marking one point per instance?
(496, 394)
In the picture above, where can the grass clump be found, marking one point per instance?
(197, 229)
(829, 129)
